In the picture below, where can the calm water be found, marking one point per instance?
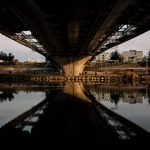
(14, 102)
(131, 102)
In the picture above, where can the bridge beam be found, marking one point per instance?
(72, 65)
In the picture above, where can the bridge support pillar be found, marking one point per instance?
(72, 66)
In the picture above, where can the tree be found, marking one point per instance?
(5, 57)
(10, 57)
(145, 61)
(115, 56)
(148, 58)
(142, 62)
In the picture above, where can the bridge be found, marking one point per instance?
(72, 33)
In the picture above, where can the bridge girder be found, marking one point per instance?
(77, 28)
(80, 28)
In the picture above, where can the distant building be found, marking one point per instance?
(102, 56)
(132, 55)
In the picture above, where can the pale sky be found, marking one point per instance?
(20, 52)
(23, 53)
(140, 43)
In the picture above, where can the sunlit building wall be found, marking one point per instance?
(132, 55)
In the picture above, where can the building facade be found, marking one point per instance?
(132, 55)
(103, 56)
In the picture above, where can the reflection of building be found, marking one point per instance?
(132, 55)
(128, 98)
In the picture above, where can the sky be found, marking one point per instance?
(140, 43)
(22, 53)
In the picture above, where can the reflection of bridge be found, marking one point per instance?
(127, 131)
(100, 91)
(28, 119)
(124, 128)
(70, 33)
(70, 113)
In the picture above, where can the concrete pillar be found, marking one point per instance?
(72, 65)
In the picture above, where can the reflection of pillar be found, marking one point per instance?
(72, 66)
(76, 89)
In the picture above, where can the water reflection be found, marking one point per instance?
(148, 94)
(68, 114)
(129, 101)
(115, 96)
(17, 99)
(7, 94)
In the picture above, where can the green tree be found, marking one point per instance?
(115, 56)
(5, 57)
(145, 61)
(10, 57)
(142, 62)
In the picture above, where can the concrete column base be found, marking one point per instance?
(72, 66)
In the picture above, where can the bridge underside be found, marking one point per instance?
(75, 29)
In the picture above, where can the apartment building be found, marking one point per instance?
(132, 55)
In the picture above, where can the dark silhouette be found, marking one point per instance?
(115, 56)
(5, 57)
(7, 95)
(115, 96)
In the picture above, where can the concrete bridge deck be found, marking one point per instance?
(71, 33)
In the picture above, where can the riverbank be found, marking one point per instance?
(125, 72)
